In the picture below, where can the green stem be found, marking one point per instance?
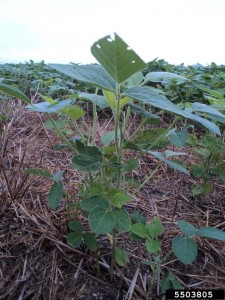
(94, 121)
(118, 136)
(162, 135)
(147, 179)
(78, 130)
(138, 129)
(94, 124)
(61, 135)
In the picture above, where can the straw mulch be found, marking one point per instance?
(35, 260)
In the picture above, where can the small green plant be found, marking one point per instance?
(150, 233)
(185, 248)
(119, 84)
(210, 151)
(105, 182)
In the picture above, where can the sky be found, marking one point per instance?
(62, 31)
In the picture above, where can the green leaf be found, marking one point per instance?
(196, 170)
(178, 138)
(121, 257)
(48, 99)
(90, 241)
(111, 99)
(74, 112)
(95, 201)
(211, 232)
(198, 190)
(92, 74)
(124, 101)
(171, 163)
(176, 284)
(88, 160)
(164, 76)
(49, 108)
(152, 246)
(39, 172)
(96, 189)
(142, 111)
(12, 91)
(99, 100)
(108, 137)
(117, 58)
(138, 218)
(131, 164)
(147, 137)
(203, 108)
(187, 228)
(155, 227)
(185, 249)
(74, 239)
(119, 199)
(76, 226)
(169, 153)
(58, 176)
(152, 97)
(177, 165)
(101, 221)
(135, 79)
(140, 230)
(55, 195)
(122, 219)
(165, 283)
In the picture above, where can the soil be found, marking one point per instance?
(35, 260)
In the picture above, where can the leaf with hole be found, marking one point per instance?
(118, 59)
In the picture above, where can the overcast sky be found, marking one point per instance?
(61, 31)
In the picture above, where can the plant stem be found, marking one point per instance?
(147, 179)
(113, 255)
(94, 121)
(138, 129)
(118, 136)
(62, 136)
